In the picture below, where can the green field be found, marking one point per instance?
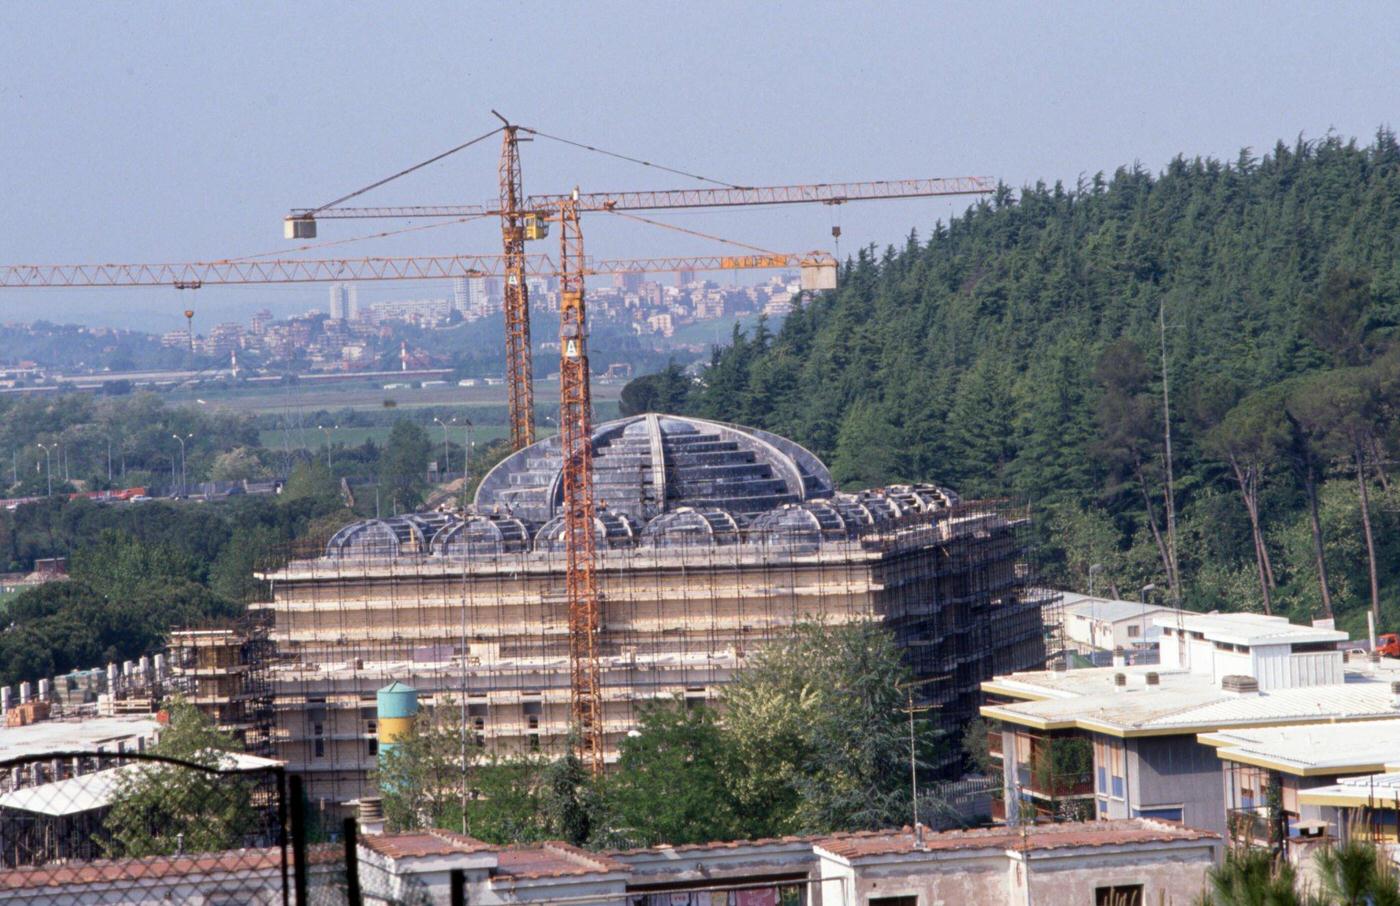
(295, 405)
(333, 397)
(310, 438)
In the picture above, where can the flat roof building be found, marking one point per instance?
(1134, 730)
(1104, 624)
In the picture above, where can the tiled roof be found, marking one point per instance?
(553, 860)
(718, 845)
(107, 871)
(423, 845)
(1039, 837)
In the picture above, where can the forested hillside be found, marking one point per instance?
(1017, 351)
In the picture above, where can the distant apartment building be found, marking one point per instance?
(175, 339)
(427, 312)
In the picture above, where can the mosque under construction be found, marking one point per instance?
(714, 539)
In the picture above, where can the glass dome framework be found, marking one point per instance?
(691, 527)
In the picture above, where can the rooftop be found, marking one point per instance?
(86, 735)
(1250, 628)
(1308, 750)
(1038, 837)
(1182, 702)
(1368, 791)
(1107, 609)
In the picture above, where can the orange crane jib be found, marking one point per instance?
(193, 274)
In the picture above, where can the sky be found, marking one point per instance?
(175, 132)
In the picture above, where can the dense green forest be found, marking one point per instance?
(1021, 350)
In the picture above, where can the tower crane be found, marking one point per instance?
(523, 219)
(575, 410)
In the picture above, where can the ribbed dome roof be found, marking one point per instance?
(646, 465)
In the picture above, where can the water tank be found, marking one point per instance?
(398, 705)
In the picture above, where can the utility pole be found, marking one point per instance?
(467, 458)
(908, 688)
(1175, 577)
(48, 466)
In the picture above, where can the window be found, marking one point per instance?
(372, 747)
(1118, 895)
(1161, 812)
(319, 748)
(1134, 630)
(895, 901)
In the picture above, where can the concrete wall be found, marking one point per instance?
(1170, 875)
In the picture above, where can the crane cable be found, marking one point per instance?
(644, 163)
(680, 229)
(418, 166)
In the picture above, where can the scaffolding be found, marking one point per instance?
(486, 630)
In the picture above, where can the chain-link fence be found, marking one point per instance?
(228, 829)
(127, 828)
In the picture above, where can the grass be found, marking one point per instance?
(365, 396)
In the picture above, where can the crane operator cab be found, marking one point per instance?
(536, 226)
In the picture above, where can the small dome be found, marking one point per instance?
(481, 535)
(611, 530)
(798, 525)
(407, 534)
(921, 498)
(688, 526)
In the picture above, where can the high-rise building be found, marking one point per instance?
(478, 303)
(352, 303)
(628, 281)
(460, 296)
(337, 307)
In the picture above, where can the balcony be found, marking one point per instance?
(1044, 784)
(1249, 824)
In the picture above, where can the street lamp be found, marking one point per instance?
(446, 451)
(182, 459)
(466, 458)
(327, 432)
(48, 465)
(1094, 570)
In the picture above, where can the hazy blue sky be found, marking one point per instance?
(178, 131)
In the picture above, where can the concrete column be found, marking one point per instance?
(160, 666)
(111, 678)
(6, 698)
(45, 690)
(24, 692)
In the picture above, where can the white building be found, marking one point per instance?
(1105, 624)
(1139, 725)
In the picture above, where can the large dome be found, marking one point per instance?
(651, 464)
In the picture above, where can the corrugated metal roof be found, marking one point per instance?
(1311, 748)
